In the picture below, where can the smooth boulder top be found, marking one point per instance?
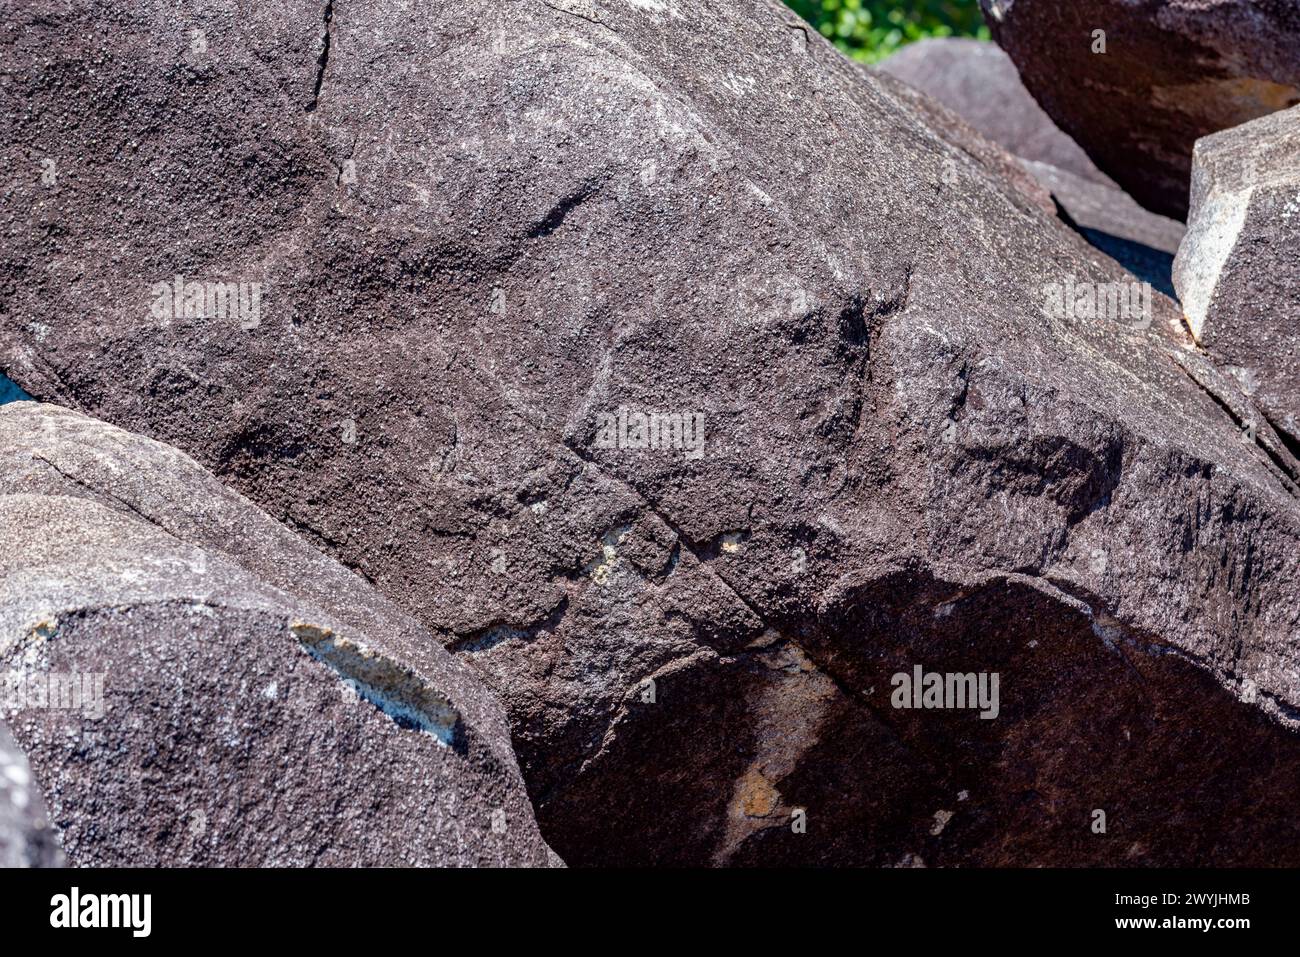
(237, 698)
(1172, 72)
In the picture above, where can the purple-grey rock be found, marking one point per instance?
(197, 686)
(490, 236)
(979, 82)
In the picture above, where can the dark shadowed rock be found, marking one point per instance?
(1172, 72)
(492, 238)
(979, 82)
(1236, 272)
(196, 685)
(26, 839)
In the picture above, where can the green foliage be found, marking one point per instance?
(870, 30)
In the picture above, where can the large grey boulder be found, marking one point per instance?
(491, 239)
(26, 839)
(1236, 271)
(193, 684)
(1137, 82)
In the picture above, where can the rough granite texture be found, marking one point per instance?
(483, 226)
(1236, 272)
(1172, 72)
(242, 677)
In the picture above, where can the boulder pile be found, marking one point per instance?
(1137, 82)
(617, 403)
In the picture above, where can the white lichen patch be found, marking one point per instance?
(662, 7)
(1292, 207)
(599, 569)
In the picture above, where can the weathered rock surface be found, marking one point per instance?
(1236, 271)
(978, 81)
(199, 686)
(482, 229)
(25, 836)
(1172, 72)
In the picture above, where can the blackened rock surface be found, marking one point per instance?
(1236, 271)
(978, 81)
(1172, 72)
(484, 227)
(26, 839)
(242, 676)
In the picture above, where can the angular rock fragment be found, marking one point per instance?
(26, 839)
(1137, 84)
(978, 81)
(1236, 271)
(688, 381)
(192, 684)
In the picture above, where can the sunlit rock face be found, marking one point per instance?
(1236, 273)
